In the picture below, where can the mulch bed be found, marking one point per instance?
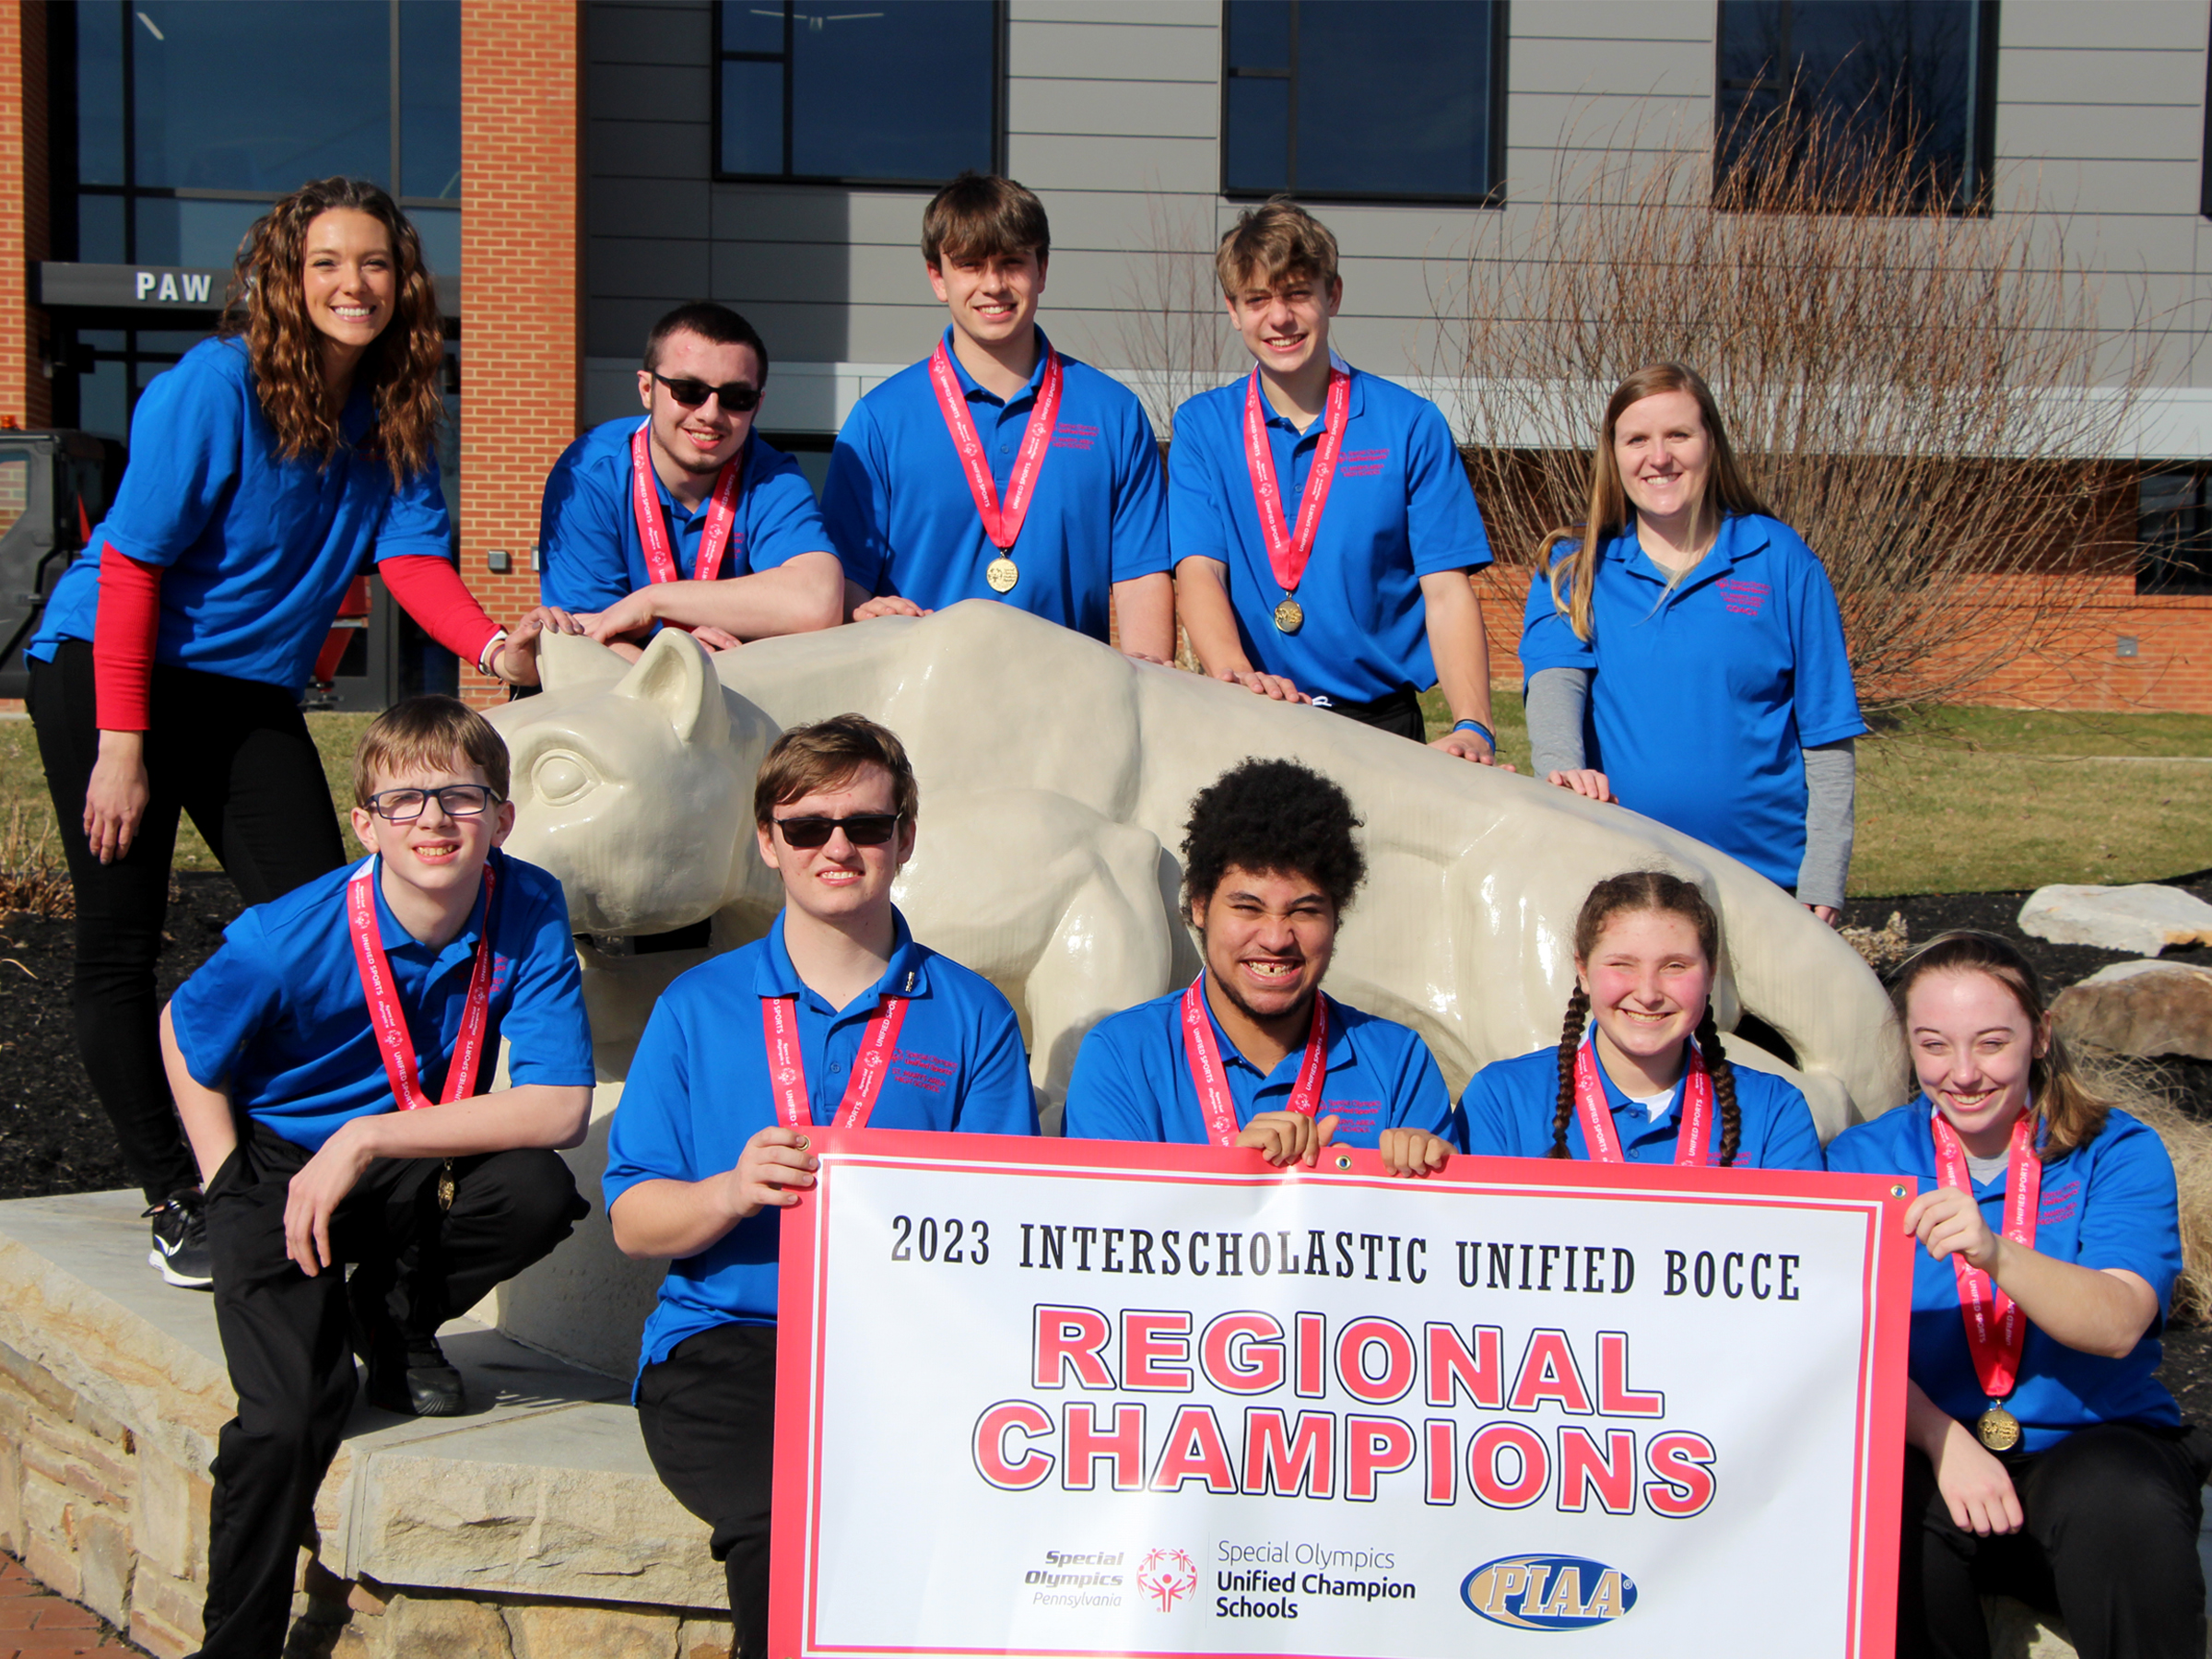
(56, 1138)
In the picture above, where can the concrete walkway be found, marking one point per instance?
(35, 1623)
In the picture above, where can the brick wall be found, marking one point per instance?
(521, 364)
(26, 391)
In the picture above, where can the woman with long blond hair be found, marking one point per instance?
(1682, 651)
(2045, 1459)
(166, 675)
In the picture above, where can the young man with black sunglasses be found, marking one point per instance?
(998, 467)
(687, 518)
(837, 1016)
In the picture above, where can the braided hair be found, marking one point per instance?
(1631, 892)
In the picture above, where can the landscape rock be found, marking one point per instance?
(2140, 1007)
(2145, 918)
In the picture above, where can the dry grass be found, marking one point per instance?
(32, 875)
(2189, 1143)
(1904, 386)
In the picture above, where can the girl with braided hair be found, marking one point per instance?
(1639, 1074)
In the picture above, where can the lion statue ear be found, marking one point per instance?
(676, 675)
(572, 662)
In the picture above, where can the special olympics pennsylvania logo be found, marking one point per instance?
(1168, 1575)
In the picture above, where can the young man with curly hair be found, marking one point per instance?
(1254, 1052)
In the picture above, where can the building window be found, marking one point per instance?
(905, 93)
(192, 117)
(1405, 100)
(2173, 532)
(1877, 80)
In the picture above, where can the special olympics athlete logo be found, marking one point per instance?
(1169, 1575)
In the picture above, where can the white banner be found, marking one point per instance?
(1053, 1397)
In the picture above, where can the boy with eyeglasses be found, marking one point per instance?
(837, 1016)
(998, 467)
(333, 1066)
(688, 517)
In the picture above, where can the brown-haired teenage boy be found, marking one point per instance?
(710, 1147)
(1323, 526)
(331, 1065)
(998, 467)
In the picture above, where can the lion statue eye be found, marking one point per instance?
(559, 777)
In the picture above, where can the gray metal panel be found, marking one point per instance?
(2128, 76)
(646, 149)
(1673, 69)
(2068, 23)
(667, 92)
(661, 266)
(1045, 161)
(1134, 52)
(653, 207)
(627, 33)
(1580, 21)
(1202, 13)
(2091, 187)
(2088, 131)
(1134, 109)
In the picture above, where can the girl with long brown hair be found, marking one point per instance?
(2045, 1459)
(264, 468)
(1640, 1075)
(1682, 649)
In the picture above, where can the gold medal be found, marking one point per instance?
(1002, 575)
(1997, 1428)
(1289, 615)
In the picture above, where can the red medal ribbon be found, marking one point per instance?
(1212, 1082)
(1996, 1328)
(1596, 1114)
(1003, 525)
(787, 1066)
(653, 529)
(389, 1020)
(1287, 553)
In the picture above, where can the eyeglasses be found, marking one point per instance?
(862, 828)
(739, 397)
(455, 800)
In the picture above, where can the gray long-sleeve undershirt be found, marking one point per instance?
(1557, 699)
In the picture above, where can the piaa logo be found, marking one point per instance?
(1549, 1592)
(1167, 1576)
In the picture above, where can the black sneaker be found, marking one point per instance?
(180, 1241)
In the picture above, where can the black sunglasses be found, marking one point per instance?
(739, 397)
(863, 830)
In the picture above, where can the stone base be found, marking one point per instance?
(533, 1529)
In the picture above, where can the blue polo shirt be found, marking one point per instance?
(2110, 1204)
(1400, 509)
(278, 1011)
(1511, 1104)
(1132, 1081)
(1703, 699)
(698, 1089)
(898, 505)
(588, 543)
(256, 551)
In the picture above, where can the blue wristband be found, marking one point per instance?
(1488, 737)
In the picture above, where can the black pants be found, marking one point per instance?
(2110, 1544)
(708, 1415)
(234, 754)
(1397, 712)
(286, 1337)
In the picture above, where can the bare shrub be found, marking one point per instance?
(1909, 389)
(32, 875)
(1170, 333)
(2135, 1087)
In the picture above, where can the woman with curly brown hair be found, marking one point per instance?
(1652, 1083)
(166, 671)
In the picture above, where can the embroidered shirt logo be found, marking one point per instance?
(1742, 598)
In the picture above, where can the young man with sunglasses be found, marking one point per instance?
(1252, 1053)
(998, 467)
(686, 517)
(838, 1016)
(333, 1066)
